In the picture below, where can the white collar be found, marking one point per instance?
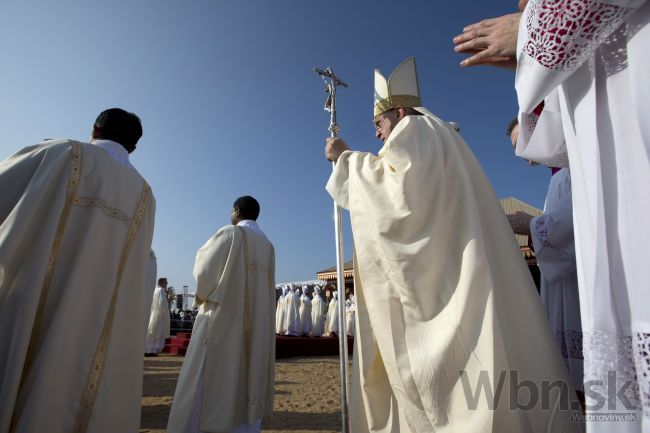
(250, 224)
(115, 150)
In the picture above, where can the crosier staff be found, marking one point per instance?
(331, 82)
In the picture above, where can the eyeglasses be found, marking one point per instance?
(379, 120)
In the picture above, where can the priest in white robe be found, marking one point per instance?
(588, 63)
(451, 303)
(305, 312)
(317, 313)
(159, 320)
(297, 295)
(350, 312)
(292, 315)
(227, 379)
(332, 318)
(281, 312)
(76, 224)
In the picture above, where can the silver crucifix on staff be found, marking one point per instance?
(331, 82)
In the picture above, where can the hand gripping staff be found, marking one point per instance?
(331, 82)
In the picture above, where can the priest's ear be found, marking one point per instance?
(235, 216)
(402, 112)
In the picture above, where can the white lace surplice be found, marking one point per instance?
(595, 54)
(552, 235)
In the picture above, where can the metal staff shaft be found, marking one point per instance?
(332, 81)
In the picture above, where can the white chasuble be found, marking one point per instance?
(451, 310)
(305, 313)
(597, 64)
(350, 311)
(317, 315)
(280, 314)
(292, 314)
(159, 321)
(296, 326)
(229, 369)
(75, 242)
(332, 319)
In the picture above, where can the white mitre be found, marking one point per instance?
(401, 88)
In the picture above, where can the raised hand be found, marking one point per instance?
(491, 42)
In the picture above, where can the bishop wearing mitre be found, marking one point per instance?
(451, 324)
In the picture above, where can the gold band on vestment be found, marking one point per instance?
(247, 312)
(101, 204)
(97, 366)
(74, 176)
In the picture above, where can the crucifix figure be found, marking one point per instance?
(331, 83)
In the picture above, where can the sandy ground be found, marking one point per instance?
(307, 395)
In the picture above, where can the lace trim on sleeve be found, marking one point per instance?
(563, 33)
(532, 119)
(541, 232)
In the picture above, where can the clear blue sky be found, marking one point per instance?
(230, 105)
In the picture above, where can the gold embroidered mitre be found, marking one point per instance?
(401, 88)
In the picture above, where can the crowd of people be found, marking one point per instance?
(444, 305)
(300, 315)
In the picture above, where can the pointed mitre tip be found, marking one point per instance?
(401, 87)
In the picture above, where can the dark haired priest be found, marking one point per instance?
(227, 379)
(76, 223)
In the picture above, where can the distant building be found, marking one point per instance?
(509, 205)
(329, 275)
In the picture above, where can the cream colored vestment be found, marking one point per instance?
(292, 313)
(231, 355)
(332, 318)
(305, 313)
(450, 302)
(75, 240)
(159, 321)
(317, 316)
(280, 312)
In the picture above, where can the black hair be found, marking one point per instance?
(514, 122)
(160, 280)
(249, 208)
(120, 126)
